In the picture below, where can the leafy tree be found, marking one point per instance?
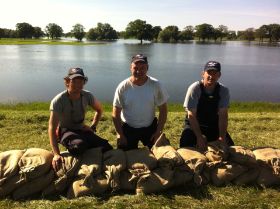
(273, 32)
(140, 30)
(187, 34)
(169, 34)
(24, 30)
(156, 31)
(204, 31)
(102, 32)
(2, 33)
(38, 33)
(78, 32)
(231, 35)
(54, 31)
(223, 31)
(262, 32)
(249, 34)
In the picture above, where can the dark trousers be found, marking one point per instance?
(77, 141)
(134, 135)
(188, 138)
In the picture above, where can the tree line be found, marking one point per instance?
(141, 30)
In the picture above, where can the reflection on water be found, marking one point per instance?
(35, 72)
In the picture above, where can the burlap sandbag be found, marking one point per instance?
(98, 185)
(9, 164)
(158, 180)
(268, 178)
(126, 181)
(242, 156)
(35, 162)
(269, 157)
(10, 185)
(136, 158)
(166, 155)
(91, 163)
(33, 187)
(217, 151)
(248, 177)
(181, 176)
(64, 175)
(226, 172)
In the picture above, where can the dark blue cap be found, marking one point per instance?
(212, 65)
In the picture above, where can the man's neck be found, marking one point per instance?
(138, 81)
(73, 96)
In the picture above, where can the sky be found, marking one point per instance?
(235, 14)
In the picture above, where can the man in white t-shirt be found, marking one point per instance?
(134, 106)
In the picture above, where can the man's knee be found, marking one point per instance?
(188, 139)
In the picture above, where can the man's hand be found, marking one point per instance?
(201, 143)
(57, 162)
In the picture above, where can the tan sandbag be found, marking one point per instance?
(9, 164)
(114, 157)
(126, 181)
(217, 151)
(33, 187)
(248, 177)
(166, 155)
(226, 172)
(98, 185)
(181, 176)
(158, 180)
(113, 175)
(10, 185)
(64, 175)
(35, 162)
(242, 156)
(138, 157)
(193, 159)
(268, 178)
(269, 157)
(91, 163)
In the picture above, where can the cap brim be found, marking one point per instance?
(76, 75)
(212, 69)
(139, 60)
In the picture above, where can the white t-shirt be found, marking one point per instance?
(138, 102)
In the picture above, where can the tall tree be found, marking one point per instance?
(102, 32)
(223, 31)
(187, 34)
(140, 30)
(204, 31)
(273, 32)
(169, 34)
(78, 32)
(249, 34)
(24, 30)
(156, 31)
(38, 33)
(54, 31)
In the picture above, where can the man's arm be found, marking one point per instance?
(116, 114)
(201, 140)
(53, 124)
(98, 113)
(223, 123)
(161, 121)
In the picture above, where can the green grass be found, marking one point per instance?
(16, 41)
(250, 124)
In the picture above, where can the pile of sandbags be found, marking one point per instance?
(24, 173)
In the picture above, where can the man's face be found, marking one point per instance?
(210, 77)
(139, 69)
(75, 85)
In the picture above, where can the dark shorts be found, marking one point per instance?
(77, 141)
(134, 135)
(188, 138)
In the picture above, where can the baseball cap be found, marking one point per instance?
(76, 72)
(139, 58)
(212, 65)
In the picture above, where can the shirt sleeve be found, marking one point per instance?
(117, 98)
(192, 96)
(224, 97)
(161, 95)
(56, 105)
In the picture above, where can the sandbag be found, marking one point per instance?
(217, 151)
(35, 162)
(127, 183)
(248, 177)
(226, 172)
(269, 157)
(34, 186)
(136, 158)
(9, 164)
(268, 178)
(181, 176)
(166, 155)
(158, 180)
(97, 186)
(64, 175)
(91, 163)
(10, 185)
(242, 156)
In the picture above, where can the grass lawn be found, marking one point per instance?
(250, 124)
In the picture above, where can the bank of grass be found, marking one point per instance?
(16, 41)
(250, 124)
